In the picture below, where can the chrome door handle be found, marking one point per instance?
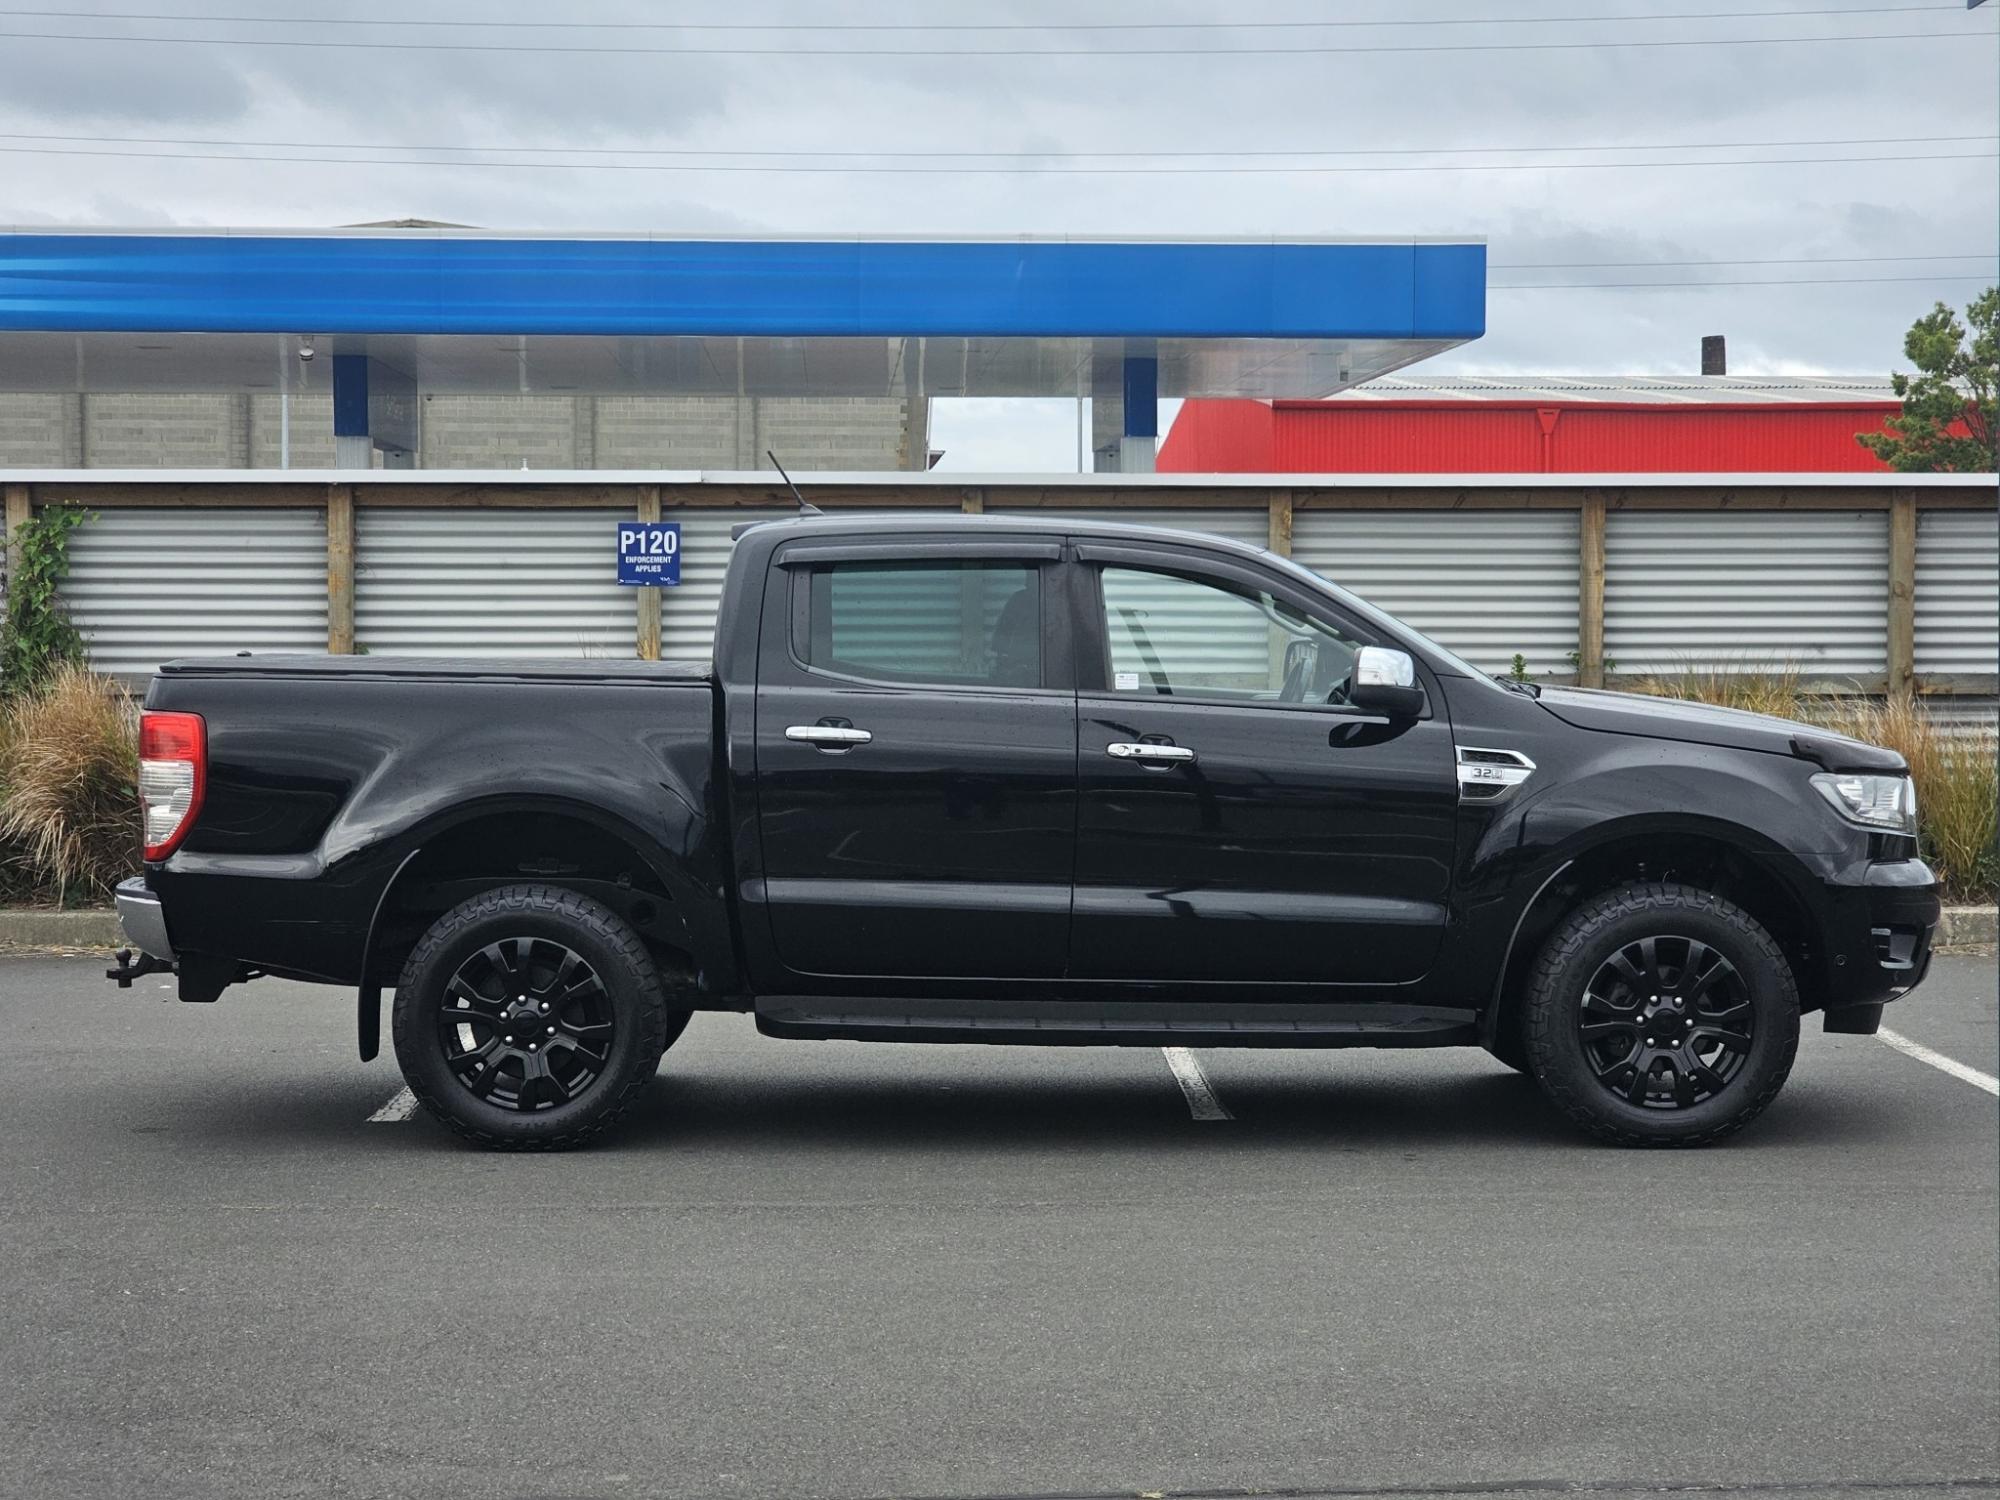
(828, 736)
(1154, 757)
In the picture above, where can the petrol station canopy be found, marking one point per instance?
(484, 311)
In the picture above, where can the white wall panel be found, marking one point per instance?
(1748, 590)
(687, 612)
(147, 585)
(490, 583)
(1958, 592)
(1485, 583)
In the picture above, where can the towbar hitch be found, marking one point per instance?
(130, 967)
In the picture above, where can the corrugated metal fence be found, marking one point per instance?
(1750, 589)
(1489, 584)
(147, 585)
(436, 582)
(1689, 576)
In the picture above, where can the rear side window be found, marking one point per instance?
(974, 624)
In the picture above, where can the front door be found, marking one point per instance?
(916, 762)
(1235, 820)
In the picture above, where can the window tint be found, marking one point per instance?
(972, 623)
(1170, 636)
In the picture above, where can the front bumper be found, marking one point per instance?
(1879, 940)
(145, 925)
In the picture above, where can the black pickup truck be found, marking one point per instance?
(1001, 780)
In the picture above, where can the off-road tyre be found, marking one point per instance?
(1578, 952)
(633, 999)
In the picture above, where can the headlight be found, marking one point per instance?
(1887, 802)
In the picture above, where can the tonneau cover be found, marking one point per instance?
(528, 669)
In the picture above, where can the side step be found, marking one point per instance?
(1092, 1023)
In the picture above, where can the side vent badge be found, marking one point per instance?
(1490, 775)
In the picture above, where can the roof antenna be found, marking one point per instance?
(806, 507)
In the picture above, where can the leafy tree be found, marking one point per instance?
(1947, 423)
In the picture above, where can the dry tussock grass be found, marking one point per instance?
(1958, 790)
(1760, 690)
(69, 807)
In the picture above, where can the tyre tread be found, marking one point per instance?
(544, 900)
(1543, 1012)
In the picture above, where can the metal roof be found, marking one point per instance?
(1656, 389)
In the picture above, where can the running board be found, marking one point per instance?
(1088, 1023)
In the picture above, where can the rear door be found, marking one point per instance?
(916, 760)
(1236, 820)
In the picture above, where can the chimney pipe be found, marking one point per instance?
(1714, 355)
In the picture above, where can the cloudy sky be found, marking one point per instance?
(1846, 251)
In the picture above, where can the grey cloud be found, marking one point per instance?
(1184, 103)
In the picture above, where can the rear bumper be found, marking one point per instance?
(140, 916)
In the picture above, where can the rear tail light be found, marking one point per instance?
(173, 772)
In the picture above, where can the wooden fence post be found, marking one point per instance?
(20, 506)
(340, 569)
(1280, 507)
(1902, 595)
(1590, 592)
(649, 595)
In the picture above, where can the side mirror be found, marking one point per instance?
(1385, 680)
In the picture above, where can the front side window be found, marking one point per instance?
(1169, 636)
(976, 624)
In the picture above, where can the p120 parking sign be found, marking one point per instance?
(649, 552)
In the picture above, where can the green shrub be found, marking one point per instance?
(37, 638)
(69, 806)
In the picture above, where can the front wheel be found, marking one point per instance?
(1661, 1015)
(530, 1018)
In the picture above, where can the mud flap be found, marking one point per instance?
(368, 1020)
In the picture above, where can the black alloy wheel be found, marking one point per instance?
(1666, 1023)
(526, 1024)
(1659, 1014)
(531, 1018)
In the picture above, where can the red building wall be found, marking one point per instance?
(1521, 437)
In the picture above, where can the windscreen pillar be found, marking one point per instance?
(1125, 413)
(374, 407)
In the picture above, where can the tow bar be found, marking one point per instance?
(129, 967)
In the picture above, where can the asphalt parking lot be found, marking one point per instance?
(841, 1270)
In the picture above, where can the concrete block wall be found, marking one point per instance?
(659, 432)
(143, 430)
(312, 430)
(675, 432)
(846, 432)
(499, 432)
(40, 432)
(162, 431)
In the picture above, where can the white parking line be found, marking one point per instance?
(402, 1104)
(1201, 1100)
(1939, 1061)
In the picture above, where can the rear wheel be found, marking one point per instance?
(1661, 1015)
(530, 1018)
